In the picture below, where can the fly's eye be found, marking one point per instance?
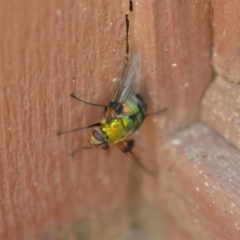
(97, 136)
(99, 140)
(105, 146)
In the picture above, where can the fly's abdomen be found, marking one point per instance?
(134, 107)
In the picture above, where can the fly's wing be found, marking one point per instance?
(130, 79)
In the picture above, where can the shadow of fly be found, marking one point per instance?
(123, 115)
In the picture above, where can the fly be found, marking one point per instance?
(123, 115)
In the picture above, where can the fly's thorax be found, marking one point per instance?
(98, 139)
(119, 129)
(110, 114)
(116, 106)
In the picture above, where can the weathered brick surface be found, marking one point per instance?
(48, 50)
(176, 41)
(220, 110)
(200, 186)
(226, 39)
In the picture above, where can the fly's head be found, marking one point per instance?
(98, 139)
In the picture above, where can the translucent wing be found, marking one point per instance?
(130, 79)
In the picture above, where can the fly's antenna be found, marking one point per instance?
(79, 129)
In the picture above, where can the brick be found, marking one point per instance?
(199, 186)
(50, 49)
(226, 39)
(220, 110)
(176, 41)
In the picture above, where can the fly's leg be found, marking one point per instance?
(79, 149)
(88, 103)
(90, 126)
(126, 147)
(82, 128)
(154, 113)
(79, 129)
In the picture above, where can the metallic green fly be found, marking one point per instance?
(123, 115)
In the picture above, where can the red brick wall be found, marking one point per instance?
(50, 49)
